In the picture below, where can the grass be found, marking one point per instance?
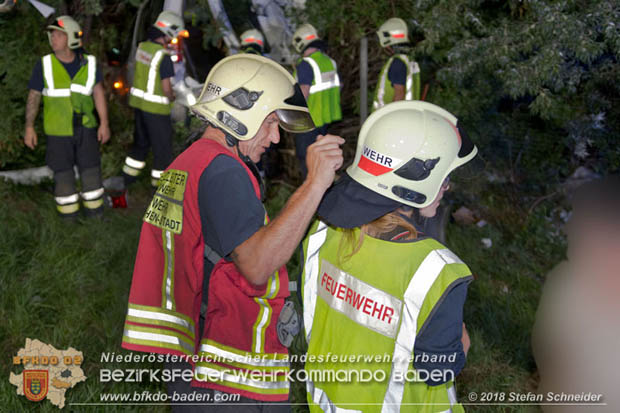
(67, 285)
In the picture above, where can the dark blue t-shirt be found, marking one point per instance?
(305, 75)
(397, 73)
(230, 212)
(36, 78)
(166, 69)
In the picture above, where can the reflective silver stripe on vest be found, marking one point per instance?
(87, 89)
(169, 269)
(241, 378)
(134, 163)
(165, 338)
(69, 199)
(322, 400)
(412, 69)
(91, 195)
(452, 398)
(414, 296)
(151, 315)
(51, 91)
(323, 81)
(266, 312)
(239, 358)
(378, 103)
(311, 270)
(149, 95)
(48, 73)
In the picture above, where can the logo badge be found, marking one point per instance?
(376, 163)
(36, 384)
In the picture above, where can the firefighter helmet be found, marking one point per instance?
(242, 90)
(303, 36)
(393, 31)
(70, 27)
(407, 149)
(253, 37)
(169, 23)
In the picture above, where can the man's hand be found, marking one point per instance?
(30, 137)
(103, 133)
(323, 159)
(465, 340)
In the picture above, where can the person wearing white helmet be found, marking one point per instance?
(151, 96)
(70, 83)
(376, 282)
(252, 41)
(399, 78)
(206, 237)
(317, 75)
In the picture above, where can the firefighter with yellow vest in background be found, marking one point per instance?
(151, 96)
(317, 75)
(70, 83)
(210, 277)
(380, 285)
(400, 77)
(253, 41)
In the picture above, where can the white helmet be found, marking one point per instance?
(393, 31)
(405, 151)
(70, 27)
(242, 90)
(169, 23)
(303, 36)
(253, 37)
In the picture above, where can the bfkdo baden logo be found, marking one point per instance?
(35, 384)
(48, 372)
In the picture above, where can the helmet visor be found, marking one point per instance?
(295, 121)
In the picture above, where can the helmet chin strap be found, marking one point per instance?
(234, 143)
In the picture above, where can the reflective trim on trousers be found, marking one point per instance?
(69, 199)
(311, 272)
(93, 204)
(92, 195)
(134, 163)
(131, 171)
(419, 286)
(68, 209)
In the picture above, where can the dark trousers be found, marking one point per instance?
(302, 142)
(81, 149)
(151, 131)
